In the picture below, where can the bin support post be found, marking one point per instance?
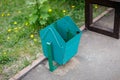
(50, 57)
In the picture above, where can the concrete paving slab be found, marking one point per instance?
(98, 58)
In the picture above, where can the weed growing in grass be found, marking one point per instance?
(46, 12)
(5, 58)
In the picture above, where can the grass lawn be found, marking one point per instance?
(19, 44)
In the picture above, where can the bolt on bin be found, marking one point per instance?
(60, 41)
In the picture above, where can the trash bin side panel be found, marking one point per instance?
(62, 28)
(66, 28)
(71, 22)
(71, 48)
(73, 28)
(49, 34)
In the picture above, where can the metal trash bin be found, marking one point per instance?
(64, 37)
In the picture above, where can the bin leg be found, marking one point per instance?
(50, 57)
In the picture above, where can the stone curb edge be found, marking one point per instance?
(28, 68)
(41, 58)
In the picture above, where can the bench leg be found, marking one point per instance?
(88, 14)
(117, 23)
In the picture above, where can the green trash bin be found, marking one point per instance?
(61, 40)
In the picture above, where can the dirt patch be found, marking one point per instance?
(62, 70)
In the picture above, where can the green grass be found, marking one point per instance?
(17, 48)
(19, 44)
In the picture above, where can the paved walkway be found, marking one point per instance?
(98, 58)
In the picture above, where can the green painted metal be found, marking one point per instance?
(64, 36)
(52, 67)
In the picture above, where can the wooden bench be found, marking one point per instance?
(89, 16)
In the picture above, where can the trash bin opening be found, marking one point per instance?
(66, 33)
